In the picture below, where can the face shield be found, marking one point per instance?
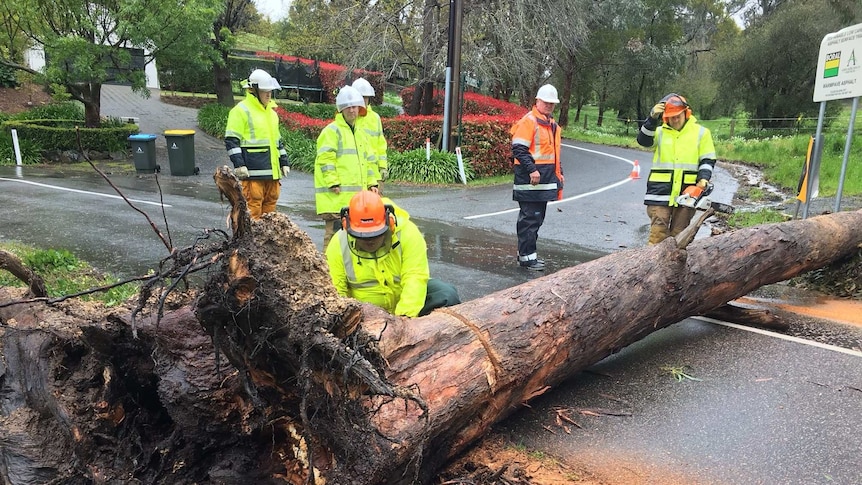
(371, 248)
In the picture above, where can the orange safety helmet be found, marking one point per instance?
(675, 104)
(367, 216)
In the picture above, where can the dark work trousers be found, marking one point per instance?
(530, 219)
(439, 294)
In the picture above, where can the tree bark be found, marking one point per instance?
(319, 382)
(12, 264)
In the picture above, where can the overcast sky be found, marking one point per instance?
(274, 9)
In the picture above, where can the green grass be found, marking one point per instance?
(747, 219)
(64, 274)
(254, 42)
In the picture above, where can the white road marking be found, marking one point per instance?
(781, 336)
(574, 197)
(86, 192)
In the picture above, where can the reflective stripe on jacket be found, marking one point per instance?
(681, 158)
(396, 281)
(373, 127)
(344, 158)
(252, 139)
(536, 142)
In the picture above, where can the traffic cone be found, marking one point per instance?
(636, 171)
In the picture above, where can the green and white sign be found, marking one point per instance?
(839, 67)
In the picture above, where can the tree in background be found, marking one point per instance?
(400, 38)
(13, 42)
(314, 29)
(770, 68)
(238, 15)
(86, 42)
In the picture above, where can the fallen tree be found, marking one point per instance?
(317, 382)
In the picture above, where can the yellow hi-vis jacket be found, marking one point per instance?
(344, 158)
(396, 280)
(373, 127)
(252, 139)
(681, 158)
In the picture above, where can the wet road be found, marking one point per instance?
(766, 410)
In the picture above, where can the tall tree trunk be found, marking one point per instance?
(223, 85)
(92, 99)
(566, 92)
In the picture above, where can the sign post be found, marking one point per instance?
(839, 76)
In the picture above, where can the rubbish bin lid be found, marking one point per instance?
(179, 132)
(142, 137)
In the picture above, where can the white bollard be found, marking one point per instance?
(17, 148)
(460, 165)
(427, 149)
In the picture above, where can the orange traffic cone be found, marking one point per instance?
(636, 171)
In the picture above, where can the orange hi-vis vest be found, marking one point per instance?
(542, 138)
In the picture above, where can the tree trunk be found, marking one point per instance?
(222, 84)
(325, 382)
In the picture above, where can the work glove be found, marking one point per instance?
(656, 111)
(285, 170)
(702, 183)
(384, 174)
(693, 191)
(241, 172)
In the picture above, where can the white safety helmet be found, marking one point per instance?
(548, 94)
(261, 80)
(348, 96)
(364, 87)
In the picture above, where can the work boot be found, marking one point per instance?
(533, 264)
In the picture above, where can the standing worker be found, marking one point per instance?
(683, 162)
(254, 144)
(381, 258)
(536, 140)
(373, 127)
(344, 164)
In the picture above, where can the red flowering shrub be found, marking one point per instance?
(306, 125)
(485, 140)
(487, 144)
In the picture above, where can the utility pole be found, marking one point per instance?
(452, 102)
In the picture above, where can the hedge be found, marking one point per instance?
(52, 134)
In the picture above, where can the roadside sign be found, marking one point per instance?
(839, 65)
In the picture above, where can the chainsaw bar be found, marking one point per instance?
(703, 203)
(723, 208)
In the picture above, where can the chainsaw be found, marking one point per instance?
(702, 202)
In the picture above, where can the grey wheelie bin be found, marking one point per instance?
(181, 152)
(144, 153)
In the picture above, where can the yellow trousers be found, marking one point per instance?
(667, 221)
(261, 196)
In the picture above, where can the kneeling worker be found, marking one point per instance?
(380, 257)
